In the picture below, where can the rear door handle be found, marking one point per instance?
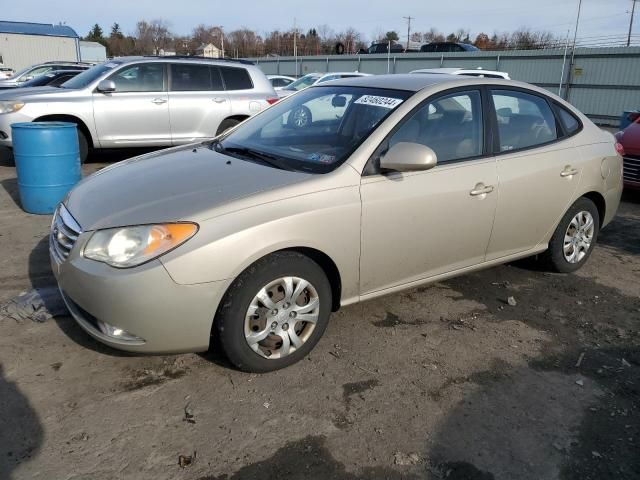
(219, 100)
(158, 101)
(481, 189)
(569, 171)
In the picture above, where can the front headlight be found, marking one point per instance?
(10, 106)
(131, 246)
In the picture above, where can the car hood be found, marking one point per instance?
(184, 183)
(24, 93)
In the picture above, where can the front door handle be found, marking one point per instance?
(219, 100)
(481, 189)
(158, 101)
(569, 171)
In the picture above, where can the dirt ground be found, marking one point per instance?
(448, 381)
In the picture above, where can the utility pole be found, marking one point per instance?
(573, 52)
(633, 11)
(408, 19)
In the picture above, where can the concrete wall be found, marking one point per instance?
(19, 51)
(603, 81)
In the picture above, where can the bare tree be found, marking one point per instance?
(152, 36)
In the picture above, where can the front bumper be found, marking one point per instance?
(6, 120)
(144, 301)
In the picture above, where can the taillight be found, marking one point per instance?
(620, 149)
(271, 101)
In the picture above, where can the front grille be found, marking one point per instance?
(64, 233)
(631, 168)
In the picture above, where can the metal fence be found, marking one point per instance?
(601, 82)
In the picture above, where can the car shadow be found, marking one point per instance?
(21, 432)
(11, 187)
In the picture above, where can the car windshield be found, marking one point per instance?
(303, 82)
(38, 81)
(88, 76)
(315, 130)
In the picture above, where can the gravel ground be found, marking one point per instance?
(448, 381)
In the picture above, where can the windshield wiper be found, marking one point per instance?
(270, 160)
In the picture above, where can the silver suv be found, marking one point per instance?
(145, 101)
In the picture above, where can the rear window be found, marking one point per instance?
(236, 78)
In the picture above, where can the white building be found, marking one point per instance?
(92, 52)
(209, 50)
(22, 44)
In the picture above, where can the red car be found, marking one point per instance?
(630, 140)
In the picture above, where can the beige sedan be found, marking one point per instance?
(391, 182)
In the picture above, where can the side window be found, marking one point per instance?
(451, 125)
(278, 82)
(569, 122)
(140, 78)
(187, 77)
(236, 78)
(524, 120)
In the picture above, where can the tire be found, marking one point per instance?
(83, 143)
(226, 124)
(242, 315)
(300, 117)
(559, 257)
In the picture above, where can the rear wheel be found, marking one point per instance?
(575, 237)
(300, 117)
(226, 124)
(274, 313)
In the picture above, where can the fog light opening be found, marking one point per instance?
(117, 333)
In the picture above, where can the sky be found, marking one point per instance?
(599, 17)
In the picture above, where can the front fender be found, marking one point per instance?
(328, 221)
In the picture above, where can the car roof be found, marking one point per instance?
(405, 81)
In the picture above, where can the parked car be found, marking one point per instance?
(254, 238)
(6, 72)
(40, 69)
(629, 138)
(145, 101)
(314, 79)
(384, 47)
(51, 79)
(448, 47)
(280, 81)
(469, 72)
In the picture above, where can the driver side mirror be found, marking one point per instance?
(409, 157)
(107, 86)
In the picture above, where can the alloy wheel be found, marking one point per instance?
(281, 317)
(578, 237)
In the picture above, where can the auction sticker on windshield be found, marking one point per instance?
(375, 100)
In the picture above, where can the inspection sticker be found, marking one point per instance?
(375, 100)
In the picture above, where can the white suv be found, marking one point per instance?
(145, 101)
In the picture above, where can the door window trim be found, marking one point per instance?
(371, 168)
(560, 132)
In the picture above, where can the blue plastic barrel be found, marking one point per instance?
(47, 159)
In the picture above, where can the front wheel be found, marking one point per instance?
(575, 237)
(226, 124)
(274, 313)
